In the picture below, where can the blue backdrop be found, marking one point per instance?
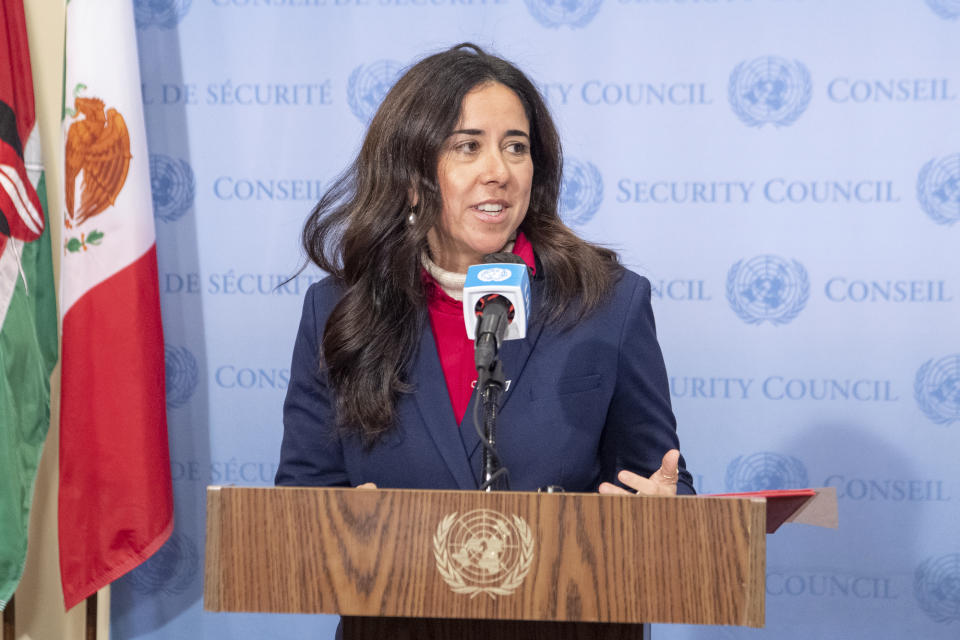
(786, 173)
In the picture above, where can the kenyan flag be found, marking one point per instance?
(28, 314)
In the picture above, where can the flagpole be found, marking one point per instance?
(9, 619)
(91, 623)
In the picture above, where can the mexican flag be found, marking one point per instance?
(28, 312)
(116, 498)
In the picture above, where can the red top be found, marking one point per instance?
(450, 334)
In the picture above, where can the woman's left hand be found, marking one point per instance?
(662, 483)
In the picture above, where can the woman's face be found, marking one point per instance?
(485, 174)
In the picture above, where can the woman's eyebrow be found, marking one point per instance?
(477, 132)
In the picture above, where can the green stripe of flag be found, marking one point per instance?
(28, 353)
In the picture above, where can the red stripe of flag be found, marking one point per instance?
(116, 499)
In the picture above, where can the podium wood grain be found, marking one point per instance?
(597, 558)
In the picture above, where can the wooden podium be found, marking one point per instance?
(457, 564)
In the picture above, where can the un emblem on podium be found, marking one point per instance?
(581, 192)
(483, 551)
(937, 389)
(368, 85)
(557, 13)
(938, 189)
(767, 289)
(769, 90)
(765, 472)
(936, 585)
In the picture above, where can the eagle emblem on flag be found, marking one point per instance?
(98, 147)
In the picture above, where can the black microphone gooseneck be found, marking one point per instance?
(495, 475)
(494, 312)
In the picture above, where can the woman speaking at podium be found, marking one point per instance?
(461, 160)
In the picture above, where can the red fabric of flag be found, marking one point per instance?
(116, 502)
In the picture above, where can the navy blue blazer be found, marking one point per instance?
(582, 404)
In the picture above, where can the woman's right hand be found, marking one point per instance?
(367, 485)
(663, 482)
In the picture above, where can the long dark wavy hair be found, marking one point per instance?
(360, 234)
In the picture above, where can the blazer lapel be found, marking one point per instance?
(433, 402)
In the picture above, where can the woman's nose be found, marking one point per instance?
(495, 167)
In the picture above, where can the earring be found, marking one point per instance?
(412, 218)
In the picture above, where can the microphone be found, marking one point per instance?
(496, 297)
(494, 314)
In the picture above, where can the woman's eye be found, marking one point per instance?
(517, 148)
(468, 147)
